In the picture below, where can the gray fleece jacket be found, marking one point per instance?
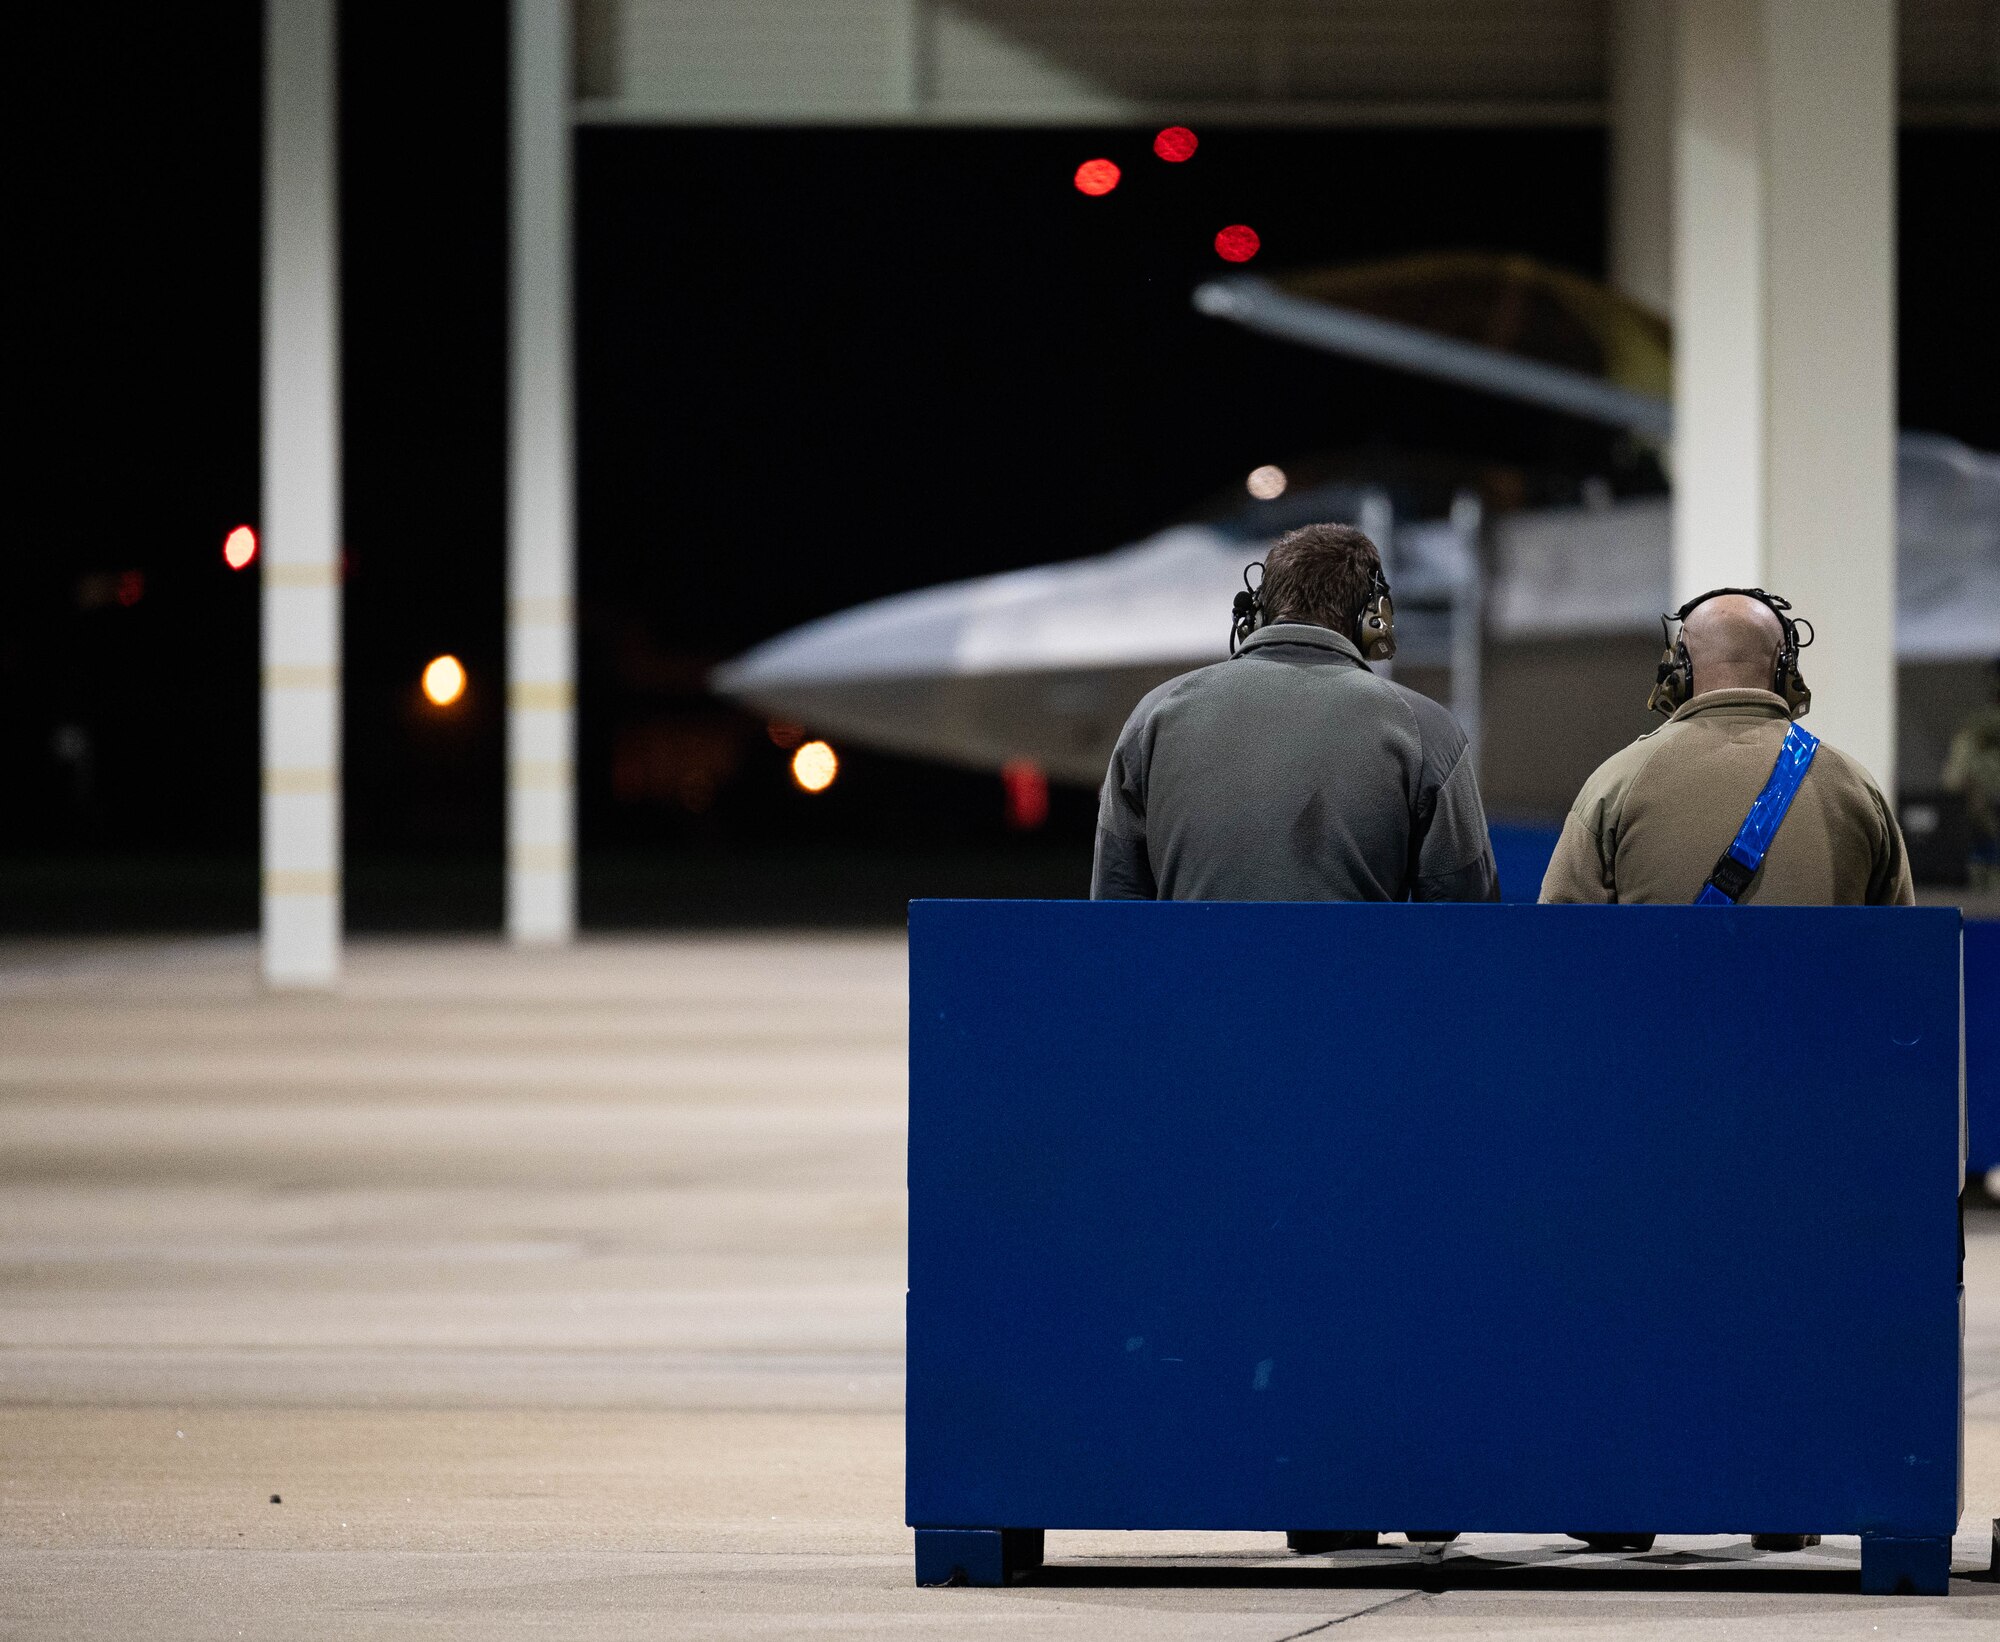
(1291, 773)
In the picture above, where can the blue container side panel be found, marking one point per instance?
(1522, 854)
(1982, 1045)
(1484, 1217)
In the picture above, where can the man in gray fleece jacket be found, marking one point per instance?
(1291, 772)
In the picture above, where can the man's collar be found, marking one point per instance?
(1736, 703)
(1302, 632)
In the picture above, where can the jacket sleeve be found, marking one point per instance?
(1889, 883)
(1120, 869)
(1577, 874)
(1455, 859)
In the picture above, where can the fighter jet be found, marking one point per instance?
(1045, 664)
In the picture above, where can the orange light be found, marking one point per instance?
(1237, 243)
(1175, 144)
(1096, 177)
(444, 681)
(239, 548)
(814, 766)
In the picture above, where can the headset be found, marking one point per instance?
(1673, 685)
(1375, 622)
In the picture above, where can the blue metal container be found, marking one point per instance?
(1485, 1218)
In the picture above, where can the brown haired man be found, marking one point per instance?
(1291, 772)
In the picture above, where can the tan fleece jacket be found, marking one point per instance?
(1650, 823)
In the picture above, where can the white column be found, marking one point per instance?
(541, 629)
(300, 551)
(1830, 322)
(1718, 288)
(1642, 151)
(1784, 471)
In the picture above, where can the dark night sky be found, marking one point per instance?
(813, 366)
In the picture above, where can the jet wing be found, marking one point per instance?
(1042, 664)
(1047, 664)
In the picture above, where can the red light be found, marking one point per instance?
(131, 587)
(1096, 177)
(1237, 243)
(239, 548)
(1175, 144)
(1027, 794)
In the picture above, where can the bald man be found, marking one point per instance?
(1651, 824)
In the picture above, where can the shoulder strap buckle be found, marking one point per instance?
(1729, 879)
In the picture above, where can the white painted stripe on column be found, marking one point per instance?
(541, 658)
(299, 566)
(304, 831)
(539, 738)
(541, 639)
(301, 730)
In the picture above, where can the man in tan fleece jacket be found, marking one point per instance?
(1650, 824)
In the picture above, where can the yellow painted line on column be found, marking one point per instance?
(301, 575)
(299, 778)
(293, 675)
(552, 697)
(539, 858)
(557, 609)
(278, 881)
(540, 774)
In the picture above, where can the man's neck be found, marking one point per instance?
(1731, 678)
(1307, 621)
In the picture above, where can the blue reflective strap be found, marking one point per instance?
(1745, 854)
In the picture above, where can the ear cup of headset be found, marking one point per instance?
(1790, 683)
(1672, 682)
(1378, 629)
(1246, 610)
(1375, 626)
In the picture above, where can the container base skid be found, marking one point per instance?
(977, 1556)
(1890, 1566)
(1904, 1567)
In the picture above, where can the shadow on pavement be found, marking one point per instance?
(1678, 1573)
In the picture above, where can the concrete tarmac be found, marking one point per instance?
(560, 1295)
